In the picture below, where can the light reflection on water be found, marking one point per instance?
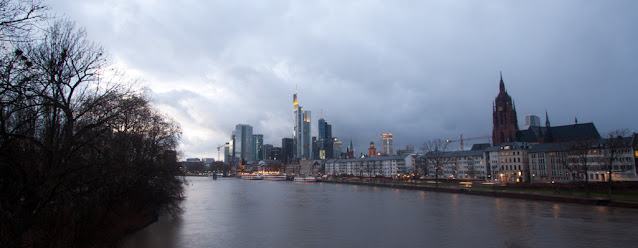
(244, 213)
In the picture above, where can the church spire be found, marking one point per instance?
(546, 119)
(502, 84)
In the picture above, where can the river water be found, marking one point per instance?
(243, 213)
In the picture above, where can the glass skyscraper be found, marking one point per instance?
(243, 143)
(325, 140)
(301, 131)
(258, 150)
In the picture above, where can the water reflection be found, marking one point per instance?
(242, 213)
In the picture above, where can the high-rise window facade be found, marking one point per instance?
(388, 147)
(301, 131)
(243, 145)
(324, 139)
(287, 154)
(258, 149)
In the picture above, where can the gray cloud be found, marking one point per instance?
(419, 69)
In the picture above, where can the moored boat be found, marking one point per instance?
(277, 177)
(305, 179)
(252, 176)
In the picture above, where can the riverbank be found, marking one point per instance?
(588, 200)
(117, 224)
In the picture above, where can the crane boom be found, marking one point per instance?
(472, 138)
(219, 147)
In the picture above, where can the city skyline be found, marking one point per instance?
(418, 70)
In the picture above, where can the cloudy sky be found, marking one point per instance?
(419, 69)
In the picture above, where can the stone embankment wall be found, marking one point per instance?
(500, 193)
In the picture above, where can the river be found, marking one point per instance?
(243, 213)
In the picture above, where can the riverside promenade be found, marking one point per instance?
(496, 191)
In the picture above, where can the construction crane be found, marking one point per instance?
(473, 138)
(219, 149)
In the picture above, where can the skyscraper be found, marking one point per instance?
(258, 151)
(266, 151)
(325, 140)
(301, 131)
(315, 148)
(243, 145)
(531, 121)
(227, 157)
(504, 117)
(275, 153)
(338, 147)
(230, 152)
(386, 140)
(287, 147)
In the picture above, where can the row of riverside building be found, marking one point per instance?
(508, 162)
(536, 154)
(539, 163)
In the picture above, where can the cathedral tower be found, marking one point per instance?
(504, 117)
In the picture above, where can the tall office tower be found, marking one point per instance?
(531, 121)
(301, 131)
(287, 148)
(386, 140)
(503, 117)
(266, 151)
(230, 151)
(226, 155)
(321, 132)
(325, 140)
(315, 148)
(243, 144)
(258, 150)
(338, 147)
(275, 153)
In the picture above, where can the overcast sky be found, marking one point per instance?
(419, 69)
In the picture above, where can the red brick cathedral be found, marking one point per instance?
(504, 117)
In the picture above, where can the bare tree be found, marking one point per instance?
(615, 146)
(434, 151)
(18, 18)
(580, 157)
(76, 145)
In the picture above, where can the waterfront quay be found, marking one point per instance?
(500, 190)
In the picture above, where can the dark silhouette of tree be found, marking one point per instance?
(18, 19)
(78, 146)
